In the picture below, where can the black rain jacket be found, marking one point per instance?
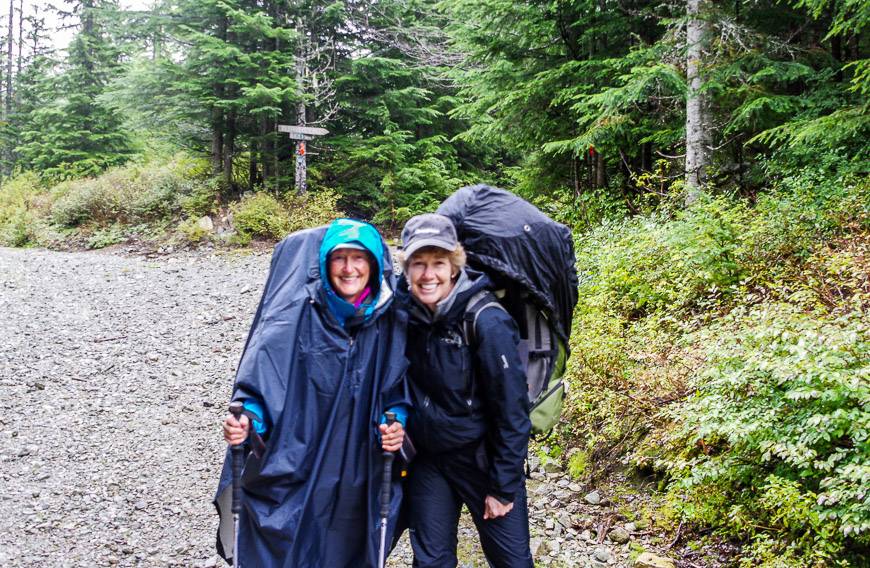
(468, 397)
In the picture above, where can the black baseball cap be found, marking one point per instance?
(428, 230)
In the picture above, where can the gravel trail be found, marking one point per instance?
(114, 374)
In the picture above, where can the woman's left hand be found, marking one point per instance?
(392, 436)
(493, 508)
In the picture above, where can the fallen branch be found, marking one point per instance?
(677, 538)
(604, 528)
(104, 339)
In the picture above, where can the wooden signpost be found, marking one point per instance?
(301, 134)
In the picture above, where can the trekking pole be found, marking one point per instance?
(238, 455)
(385, 495)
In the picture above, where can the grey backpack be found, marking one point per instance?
(542, 354)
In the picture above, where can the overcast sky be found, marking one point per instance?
(61, 37)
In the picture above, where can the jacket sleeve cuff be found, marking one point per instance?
(501, 497)
(401, 412)
(257, 410)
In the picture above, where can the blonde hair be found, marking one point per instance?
(457, 257)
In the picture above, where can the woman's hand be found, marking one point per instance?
(392, 436)
(494, 509)
(236, 431)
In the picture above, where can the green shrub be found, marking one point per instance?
(414, 189)
(261, 215)
(805, 209)
(201, 199)
(102, 201)
(132, 194)
(773, 449)
(193, 232)
(23, 203)
(313, 209)
(780, 431)
(653, 264)
(578, 463)
(108, 236)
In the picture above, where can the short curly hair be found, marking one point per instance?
(457, 257)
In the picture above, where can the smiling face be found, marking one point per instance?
(430, 275)
(349, 271)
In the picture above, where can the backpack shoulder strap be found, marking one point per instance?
(476, 304)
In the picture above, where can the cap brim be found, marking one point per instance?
(417, 245)
(348, 245)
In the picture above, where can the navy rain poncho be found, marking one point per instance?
(324, 381)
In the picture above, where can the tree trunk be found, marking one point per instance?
(252, 169)
(698, 135)
(301, 165)
(217, 117)
(837, 52)
(217, 139)
(600, 171)
(229, 148)
(575, 175)
(20, 34)
(8, 109)
(268, 152)
(157, 43)
(646, 157)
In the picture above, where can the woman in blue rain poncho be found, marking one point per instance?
(324, 360)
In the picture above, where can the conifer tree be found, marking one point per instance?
(75, 134)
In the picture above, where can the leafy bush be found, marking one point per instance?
(414, 189)
(103, 200)
(202, 199)
(106, 237)
(23, 202)
(719, 249)
(652, 326)
(653, 264)
(313, 209)
(193, 231)
(135, 193)
(780, 430)
(263, 215)
(393, 176)
(806, 208)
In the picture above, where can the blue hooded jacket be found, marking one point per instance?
(311, 498)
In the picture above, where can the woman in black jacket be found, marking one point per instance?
(471, 412)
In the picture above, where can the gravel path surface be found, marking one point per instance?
(114, 373)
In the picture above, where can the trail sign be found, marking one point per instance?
(301, 134)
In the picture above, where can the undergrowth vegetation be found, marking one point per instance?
(264, 215)
(156, 200)
(724, 347)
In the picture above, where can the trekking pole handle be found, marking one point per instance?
(238, 456)
(388, 472)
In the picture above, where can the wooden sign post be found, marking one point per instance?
(301, 134)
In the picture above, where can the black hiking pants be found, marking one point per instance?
(438, 485)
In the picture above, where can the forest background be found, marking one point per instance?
(711, 159)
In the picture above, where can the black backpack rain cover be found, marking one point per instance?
(509, 238)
